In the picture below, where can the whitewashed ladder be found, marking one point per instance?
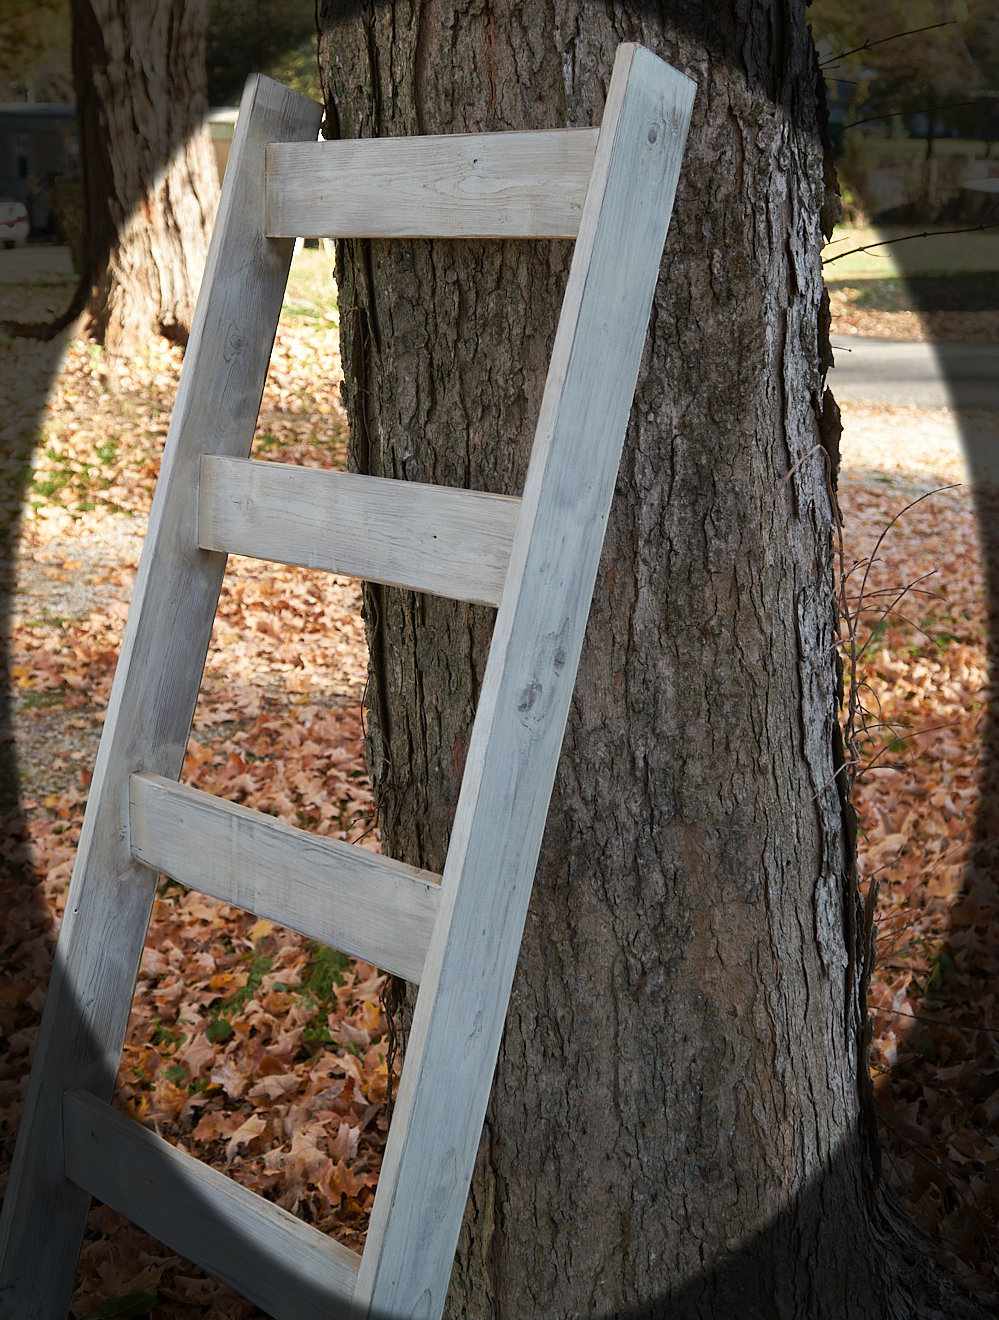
(458, 935)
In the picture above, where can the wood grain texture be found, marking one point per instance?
(344, 896)
(513, 754)
(453, 543)
(149, 712)
(476, 185)
(286, 1267)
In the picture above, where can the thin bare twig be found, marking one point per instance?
(905, 238)
(904, 737)
(881, 41)
(901, 513)
(919, 591)
(911, 110)
(889, 608)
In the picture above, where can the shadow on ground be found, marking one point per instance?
(746, 1282)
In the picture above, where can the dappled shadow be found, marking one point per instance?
(749, 1280)
(964, 291)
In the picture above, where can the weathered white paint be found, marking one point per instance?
(453, 543)
(344, 896)
(478, 185)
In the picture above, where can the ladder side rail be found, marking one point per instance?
(149, 713)
(524, 703)
(528, 184)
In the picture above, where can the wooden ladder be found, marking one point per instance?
(536, 558)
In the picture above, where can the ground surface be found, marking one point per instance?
(923, 373)
(267, 1056)
(941, 286)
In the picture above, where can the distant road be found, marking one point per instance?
(921, 374)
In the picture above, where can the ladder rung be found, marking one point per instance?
(337, 893)
(453, 543)
(286, 1267)
(476, 185)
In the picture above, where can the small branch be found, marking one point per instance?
(903, 737)
(920, 109)
(886, 610)
(881, 41)
(897, 730)
(815, 449)
(890, 591)
(859, 563)
(905, 238)
(872, 558)
(847, 763)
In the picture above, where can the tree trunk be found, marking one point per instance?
(678, 1124)
(149, 173)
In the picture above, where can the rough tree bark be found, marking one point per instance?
(678, 1124)
(149, 174)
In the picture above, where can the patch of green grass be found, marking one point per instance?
(65, 477)
(42, 700)
(877, 633)
(52, 485)
(49, 621)
(167, 1036)
(311, 291)
(220, 1029)
(176, 1073)
(942, 966)
(260, 965)
(936, 641)
(323, 975)
(316, 1033)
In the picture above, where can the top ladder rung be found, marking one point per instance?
(476, 185)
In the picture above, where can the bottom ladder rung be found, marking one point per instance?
(287, 1268)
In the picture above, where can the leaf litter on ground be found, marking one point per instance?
(267, 1056)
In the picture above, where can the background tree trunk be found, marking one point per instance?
(149, 173)
(678, 1123)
